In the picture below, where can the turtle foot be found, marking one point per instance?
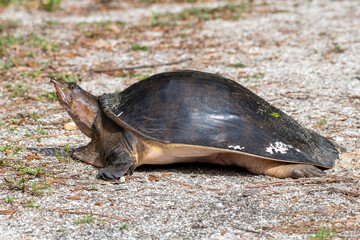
(112, 173)
(305, 171)
(294, 171)
(119, 162)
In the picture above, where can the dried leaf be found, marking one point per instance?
(50, 180)
(32, 64)
(31, 157)
(80, 189)
(153, 178)
(7, 212)
(98, 204)
(114, 28)
(73, 198)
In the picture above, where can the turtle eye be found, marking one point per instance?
(72, 85)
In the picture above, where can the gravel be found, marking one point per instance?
(302, 56)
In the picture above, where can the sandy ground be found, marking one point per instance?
(302, 56)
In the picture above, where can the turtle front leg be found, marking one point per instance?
(88, 154)
(119, 163)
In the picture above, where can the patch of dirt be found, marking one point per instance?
(302, 56)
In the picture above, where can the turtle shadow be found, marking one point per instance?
(195, 169)
(53, 151)
(181, 168)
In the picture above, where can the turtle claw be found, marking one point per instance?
(108, 176)
(305, 171)
(119, 162)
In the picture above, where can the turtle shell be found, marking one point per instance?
(202, 109)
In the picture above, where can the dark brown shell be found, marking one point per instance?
(202, 109)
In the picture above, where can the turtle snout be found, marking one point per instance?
(61, 91)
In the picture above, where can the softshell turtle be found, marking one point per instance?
(191, 116)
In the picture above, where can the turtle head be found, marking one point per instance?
(80, 105)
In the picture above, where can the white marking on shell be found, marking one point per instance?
(279, 147)
(119, 114)
(237, 147)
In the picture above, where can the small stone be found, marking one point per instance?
(339, 139)
(70, 126)
(219, 205)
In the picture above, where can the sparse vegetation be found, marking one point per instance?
(323, 233)
(228, 11)
(5, 148)
(8, 24)
(8, 40)
(62, 229)
(41, 131)
(25, 170)
(10, 149)
(137, 47)
(10, 199)
(5, 2)
(33, 74)
(47, 5)
(31, 204)
(67, 153)
(66, 77)
(13, 184)
(337, 49)
(34, 116)
(51, 22)
(85, 219)
(50, 5)
(282, 11)
(258, 75)
(37, 41)
(40, 188)
(19, 89)
(47, 96)
(5, 65)
(124, 227)
(322, 121)
(238, 65)
(14, 121)
(261, 41)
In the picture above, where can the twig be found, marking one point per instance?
(7, 211)
(88, 213)
(51, 135)
(305, 180)
(141, 66)
(306, 227)
(315, 212)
